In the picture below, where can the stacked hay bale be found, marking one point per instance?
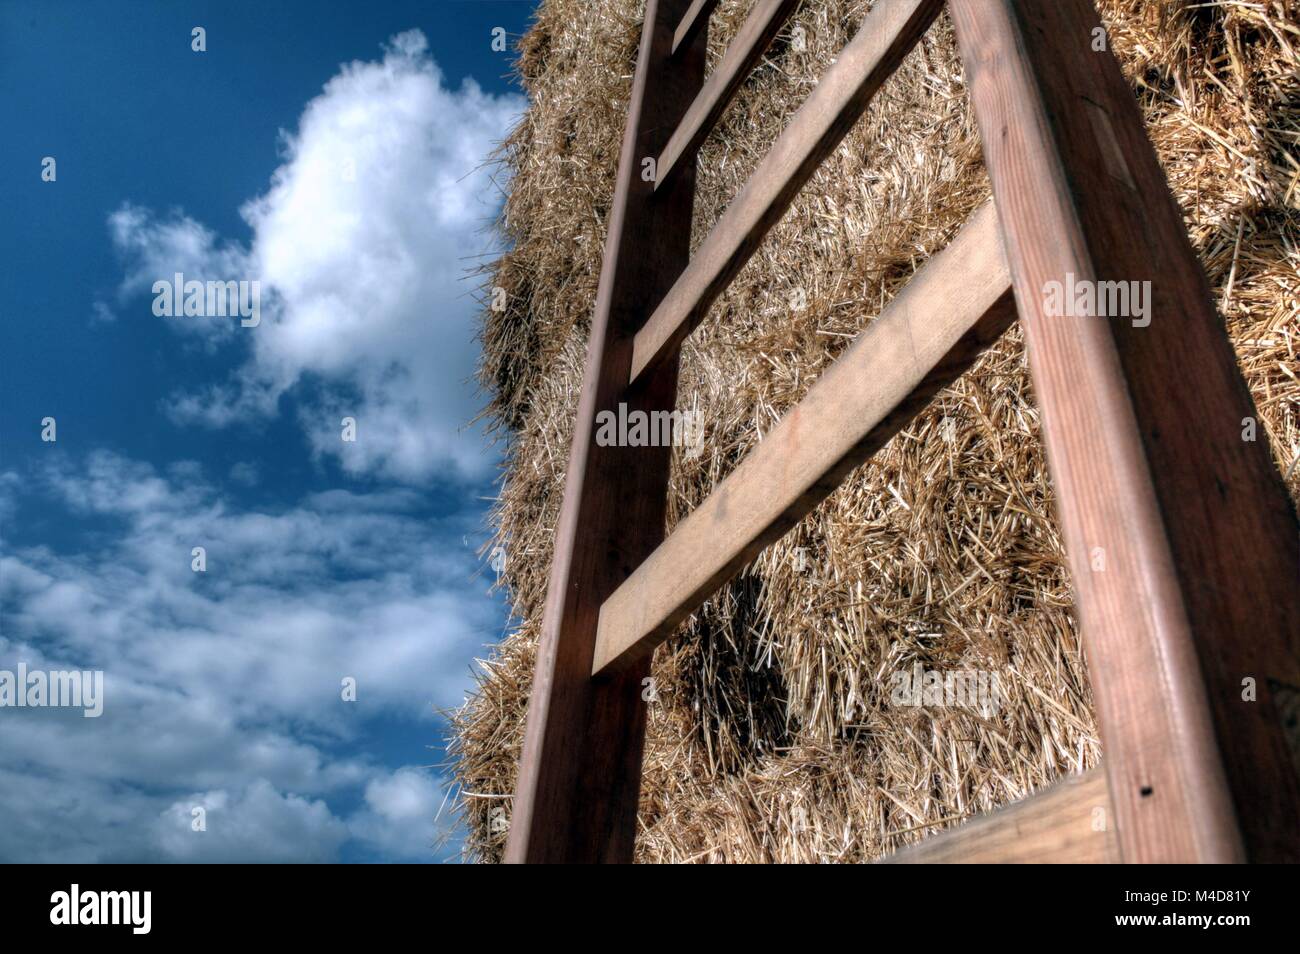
(773, 736)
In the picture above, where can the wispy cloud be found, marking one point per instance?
(223, 688)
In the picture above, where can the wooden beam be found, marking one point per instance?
(694, 20)
(580, 774)
(958, 303)
(887, 34)
(1067, 823)
(746, 49)
(1183, 542)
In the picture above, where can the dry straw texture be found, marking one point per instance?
(773, 737)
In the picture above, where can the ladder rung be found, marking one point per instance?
(742, 55)
(695, 17)
(956, 305)
(1068, 823)
(887, 35)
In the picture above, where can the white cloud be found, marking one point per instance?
(228, 683)
(223, 688)
(405, 814)
(255, 825)
(407, 793)
(362, 243)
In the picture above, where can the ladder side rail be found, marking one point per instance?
(580, 772)
(1182, 540)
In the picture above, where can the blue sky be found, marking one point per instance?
(333, 153)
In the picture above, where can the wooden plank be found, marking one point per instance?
(957, 304)
(746, 49)
(695, 18)
(887, 34)
(1067, 823)
(1183, 543)
(580, 774)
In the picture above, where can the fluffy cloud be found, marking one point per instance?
(363, 244)
(405, 814)
(256, 825)
(223, 688)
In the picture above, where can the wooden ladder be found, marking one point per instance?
(1197, 600)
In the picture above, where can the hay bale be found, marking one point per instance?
(773, 737)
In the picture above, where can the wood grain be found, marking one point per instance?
(580, 773)
(1183, 543)
(958, 303)
(693, 20)
(1067, 823)
(746, 49)
(887, 34)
